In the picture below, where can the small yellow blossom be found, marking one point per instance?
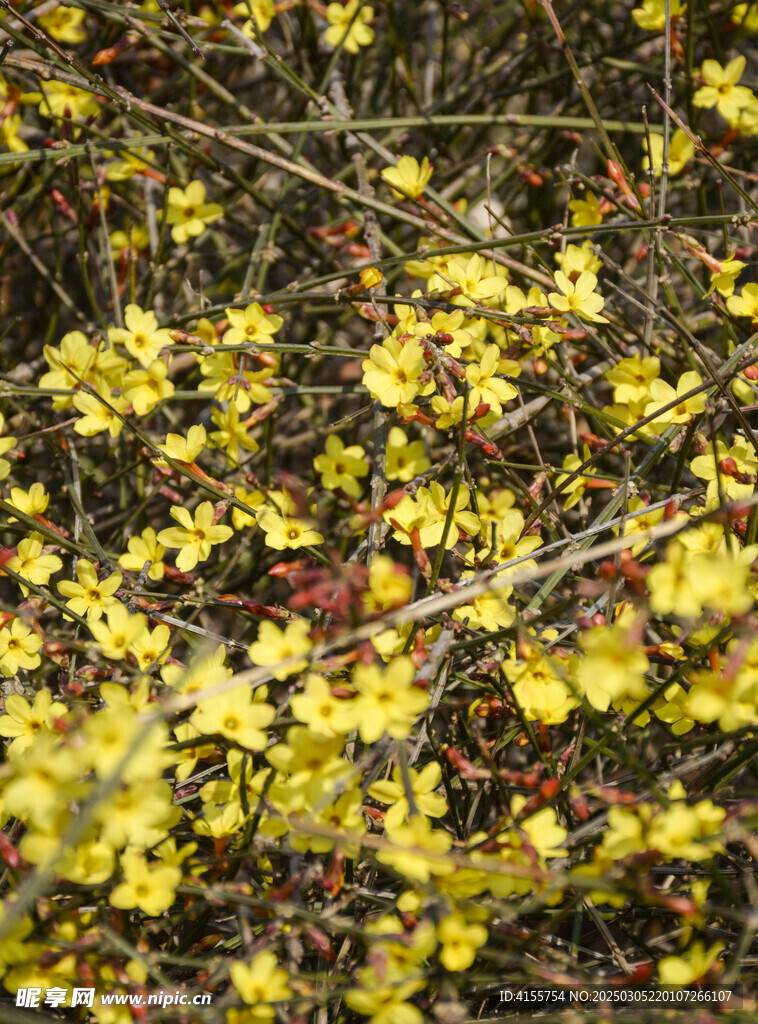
(185, 449)
(18, 648)
(232, 432)
(116, 633)
(651, 16)
(141, 336)
(387, 699)
(681, 151)
(349, 25)
(585, 212)
(62, 23)
(391, 372)
(460, 941)
(235, 716)
(97, 416)
(486, 387)
(579, 297)
(274, 645)
(285, 528)
(32, 502)
(404, 459)
(263, 12)
(145, 388)
(410, 177)
(261, 983)
(341, 466)
(6, 443)
(188, 213)
(251, 325)
(721, 89)
(194, 537)
(141, 549)
(89, 596)
(30, 562)
(59, 99)
(687, 969)
(149, 886)
(663, 394)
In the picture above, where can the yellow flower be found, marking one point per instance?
(681, 151)
(422, 784)
(652, 15)
(631, 378)
(151, 649)
(251, 325)
(75, 354)
(324, 714)
(23, 723)
(349, 25)
(6, 443)
(410, 177)
(746, 303)
(472, 278)
(284, 529)
(232, 432)
(663, 394)
(131, 162)
(274, 645)
(613, 667)
(639, 523)
(385, 1002)
(235, 716)
(188, 213)
(32, 502)
(194, 537)
(18, 648)
(671, 585)
(746, 16)
(340, 466)
(486, 388)
(389, 583)
(62, 23)
(575, 260)
(96, 415)
(151, 887)
(387, 699)
(60, 97)
(135, 239)
(416, 849)
(90, 597)
(370, 277)
(142, 337)
(260, 984)
(391, 372)
(687, 969)
(31, 563)
(724, 277)
(585, 212)
(263, 15)
(185, 449)
(578, 486)
(118, 632)
(579, 297)
(730, 470)
(253, 499)
(460, 941)
(434, 504)
(230, 383)
(721, 90)
(404, 459)
(145, 388)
